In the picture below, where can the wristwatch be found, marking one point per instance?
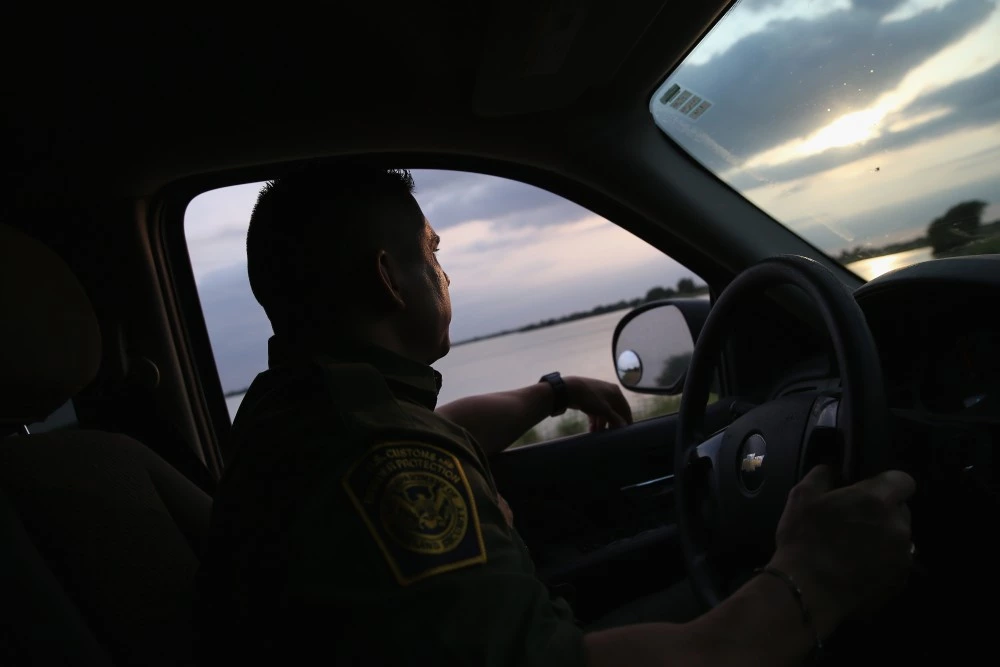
(560, 394)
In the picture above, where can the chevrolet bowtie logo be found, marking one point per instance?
(751, 462)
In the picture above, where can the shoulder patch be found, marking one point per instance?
(417, 503)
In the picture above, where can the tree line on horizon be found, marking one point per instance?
(960, 231)
(685, 287)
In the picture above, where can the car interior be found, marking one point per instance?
(113, 422)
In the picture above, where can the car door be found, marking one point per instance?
(597, 509)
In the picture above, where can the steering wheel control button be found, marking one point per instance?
(753, 453)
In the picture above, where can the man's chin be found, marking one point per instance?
(445, 348)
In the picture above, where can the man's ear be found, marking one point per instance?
(388, 271)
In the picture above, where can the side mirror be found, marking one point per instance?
(653, 344)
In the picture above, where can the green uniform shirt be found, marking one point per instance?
(354, 523)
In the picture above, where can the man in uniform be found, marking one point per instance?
(358, 523)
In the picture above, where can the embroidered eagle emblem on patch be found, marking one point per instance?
(417, 503)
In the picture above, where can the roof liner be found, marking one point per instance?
(136, 103)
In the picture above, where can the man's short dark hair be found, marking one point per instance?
(311, 231)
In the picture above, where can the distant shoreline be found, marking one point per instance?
(534, 327)
(654, 294)
(860, 253)
(982, 239)
(686, 287)
(499, 334)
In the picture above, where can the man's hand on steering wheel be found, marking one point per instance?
(848, 548)
(752, 491)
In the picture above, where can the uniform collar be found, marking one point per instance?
(408, 379)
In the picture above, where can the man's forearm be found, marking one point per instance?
(496, 420)
(761, 624)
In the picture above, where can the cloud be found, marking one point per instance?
(490, 257)
(775, 85)
(966, 58)
(519, 276)
(516, 254)
(853, 202)
(966, 104)
(216, 221)
(904, 11)
(857, 126)
(215, 226)
(501, 278)
(756, 16)
(237, 326)
(450, 198)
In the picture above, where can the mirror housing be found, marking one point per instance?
(653, 343)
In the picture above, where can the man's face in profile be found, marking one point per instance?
(428, 310)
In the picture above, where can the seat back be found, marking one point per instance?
(39, 624)
(119, 529)
(105, 528)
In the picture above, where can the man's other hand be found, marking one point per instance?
(602, 401)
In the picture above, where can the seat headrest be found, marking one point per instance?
(50, 341)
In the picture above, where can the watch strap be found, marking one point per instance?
(560, 393)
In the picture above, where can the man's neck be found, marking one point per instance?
(327, 342)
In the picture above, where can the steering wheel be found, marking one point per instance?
(731, 486)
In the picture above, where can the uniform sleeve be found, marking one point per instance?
(410, 557)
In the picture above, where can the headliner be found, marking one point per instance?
(131, 105)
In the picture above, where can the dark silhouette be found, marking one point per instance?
(658, 293)
(956, 228)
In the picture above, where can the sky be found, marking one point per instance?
(515, 255)
(851, 121)
(857, 122)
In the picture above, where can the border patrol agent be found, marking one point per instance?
(358, 523)
(378, 498)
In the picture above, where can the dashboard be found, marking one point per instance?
(938, 337)
(937, 329)
(938, 334)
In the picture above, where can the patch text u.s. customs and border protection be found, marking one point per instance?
(417, 503)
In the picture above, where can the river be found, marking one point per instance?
(876, 266)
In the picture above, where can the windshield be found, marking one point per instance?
(870, 128)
